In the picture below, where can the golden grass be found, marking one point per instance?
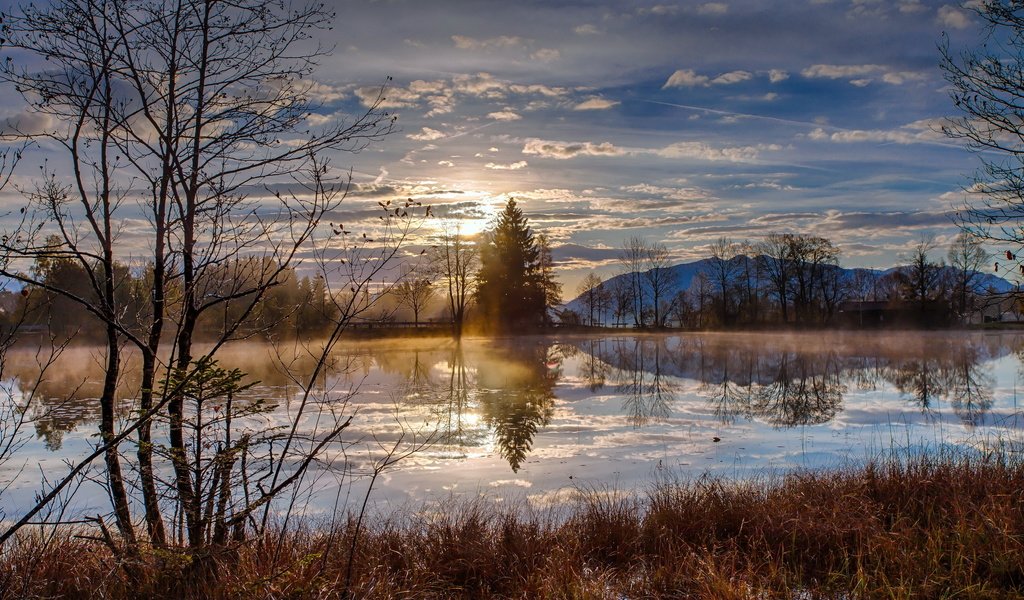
(919, 528)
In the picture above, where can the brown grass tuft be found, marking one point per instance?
(913, 528)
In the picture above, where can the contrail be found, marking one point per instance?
(729, 113)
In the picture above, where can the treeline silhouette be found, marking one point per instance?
(293, 305)
(788, 280)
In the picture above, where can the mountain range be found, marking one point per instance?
(683, 275)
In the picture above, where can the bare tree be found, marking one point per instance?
(455, 260)
(987, 87)
(661, 278)
(196, 112)
(589, 291)
(415, 293)
(967, 255)
(775, 264)
(722, 273)
(633, 257)
(924, 277)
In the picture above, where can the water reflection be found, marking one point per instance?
(647, 392)
(516, 394)
(806, 390)
(494, 397)
(792, 381)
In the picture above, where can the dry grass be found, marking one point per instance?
(920, 528)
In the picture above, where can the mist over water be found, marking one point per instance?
(533, 417)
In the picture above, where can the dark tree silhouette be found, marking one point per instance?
(513, 285)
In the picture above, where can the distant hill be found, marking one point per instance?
(685, 273)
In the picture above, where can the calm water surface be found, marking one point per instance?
(532, 418)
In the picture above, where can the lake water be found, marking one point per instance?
(533, 418)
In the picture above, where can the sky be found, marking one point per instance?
(676, 122)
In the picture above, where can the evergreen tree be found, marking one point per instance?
(513, 285)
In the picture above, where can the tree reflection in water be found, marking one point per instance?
(789, 382)
(517, 396)
(504, 389)
(648, 394)
(807, 390)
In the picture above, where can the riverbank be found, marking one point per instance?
(919, 528)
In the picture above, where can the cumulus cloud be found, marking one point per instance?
(731, 77)
(660, 10)
(567, 150)
(26, 123)
(546, 55)
(323, 93)
(840, 71)
(861, 75)
(777, 75)
(690, 78)
(919, 131)
(504, 115)
(464, 42)
(596, 104)
(685, 78)
(443, 95)
(713, 8)
(687, 150)
(703, 151)
(522, 164)
(953, 17)
(899, 77)
(426, 135)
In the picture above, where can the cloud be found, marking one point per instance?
(690, 78)
(713, 8)
(925, 131)
(567, 150)
(954, 18)
(596, 104)
(861, 75)
(911, 6)
(445, 163)
(685, 78)
(546, 55)
(731, 77)
(586, 29)
(874, 221)
(703, 151)
(660, 10)
(504, 41)
(665, 194)
(687, 150)
(777, 75)
(426, 135)
(26, 123)
(504, 115)
(442, 96)
(840, 71)
(898, 78)
(323, 93)
(522, 164)
(391, 97)
(576, 251)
